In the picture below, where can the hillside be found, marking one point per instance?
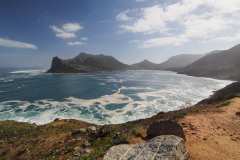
(84, 63)
(145, 64)
(179, 61)
(173, 63)
(221, 65)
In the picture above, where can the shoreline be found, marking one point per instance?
(102, 123)
(68, 139)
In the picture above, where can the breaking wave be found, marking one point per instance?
(124, 96)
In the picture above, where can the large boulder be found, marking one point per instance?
(166, 127)
(166, 147)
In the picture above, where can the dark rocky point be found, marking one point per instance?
(230, 91)
(84, 63)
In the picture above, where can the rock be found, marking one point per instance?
(165, 128)
(119, 139)
(83, 130)
(104, 131)
(92, 132)
(56, 119)
(166, 147)
(92, 129)
(3, 151)
(86, 144)
(87, 150)
(76, 134)
(77, 149)
(238, 114)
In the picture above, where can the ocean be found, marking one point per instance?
(101, 98)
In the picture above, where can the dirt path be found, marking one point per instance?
(214, 134)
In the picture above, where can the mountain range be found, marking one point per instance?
(85, 62)
(220, 64)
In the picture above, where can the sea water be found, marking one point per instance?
(101, 98)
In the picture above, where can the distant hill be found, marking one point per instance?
(222, 65)
(179, 61)
(86, 63)
(174, 63)
(145, 64)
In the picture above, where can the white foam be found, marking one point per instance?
(30, 71)
(150, 100)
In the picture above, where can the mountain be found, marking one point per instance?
(84, 63)
(145, 64)
(222, 65)
(174, 63)
(179, 61)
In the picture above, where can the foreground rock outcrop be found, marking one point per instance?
(166, 147)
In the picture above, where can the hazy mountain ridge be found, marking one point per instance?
(216, 64)
(222, 65)
(145, 65)
(179, 61)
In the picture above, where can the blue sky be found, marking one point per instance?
(31, 32)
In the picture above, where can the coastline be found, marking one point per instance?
(181, 94)
(59, 139)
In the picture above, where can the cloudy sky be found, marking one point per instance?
(31, 32)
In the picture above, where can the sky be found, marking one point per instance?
(32, 32)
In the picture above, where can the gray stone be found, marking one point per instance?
(165, 147)
(86, 143)
(92, 129)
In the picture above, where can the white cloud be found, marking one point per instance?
(184, 21)
(123, 16)
(149, 22)
(16, 44)
(164, 41)
(60, 33)
(71, 27)
(67, 30)
(84, 38)
(76, 43)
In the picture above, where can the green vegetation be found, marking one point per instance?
(224, 104)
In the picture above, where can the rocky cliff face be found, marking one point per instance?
(221, 65)
(86, 63)
(59, 66)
